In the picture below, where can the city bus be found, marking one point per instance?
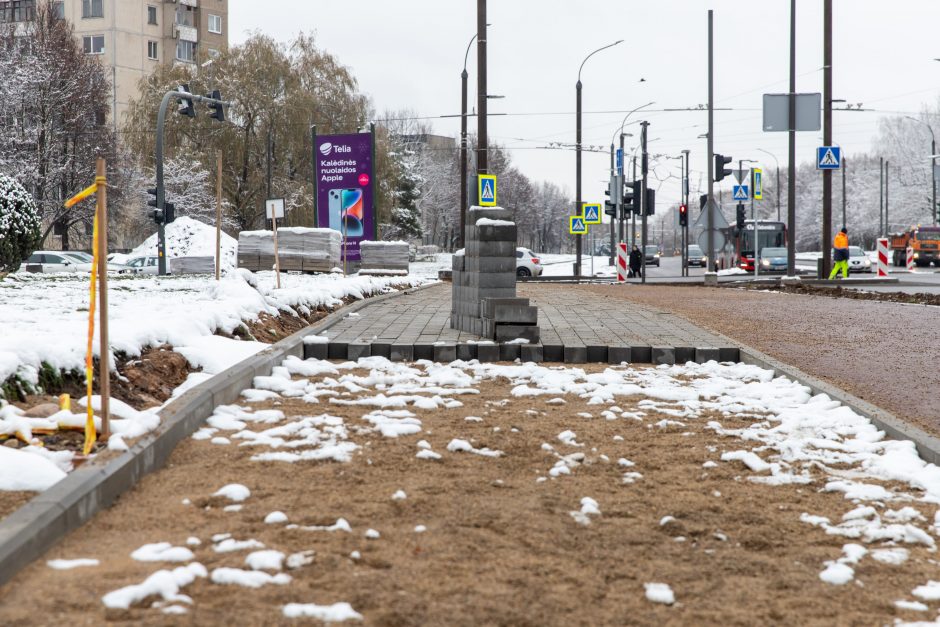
(771, 234)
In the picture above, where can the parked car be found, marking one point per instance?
(527, 264)
(695, 257)
(858, 260)
(48, 261)
(148, 264)
(79, 256)
(652, 255)
(773, 260)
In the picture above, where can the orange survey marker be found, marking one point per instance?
(90, 433)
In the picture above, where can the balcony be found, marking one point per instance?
(186, 33)
(190, 3)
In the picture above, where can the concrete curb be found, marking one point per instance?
(27, 533)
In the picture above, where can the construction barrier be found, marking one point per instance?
(621, 262)
(882, 257)
(910, 259)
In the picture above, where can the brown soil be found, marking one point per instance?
(857, 293)
(884, 353)
(500, 548)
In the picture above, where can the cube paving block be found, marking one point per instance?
(423, 350)
(491, 249)
(597, 354)
(457, 263)
(402, 352)
(509, 332)
(524, 314)
(729, 353)
(531, 353)
(509, 352)
(355, 350)
(488, 353)
(337, 350)
(491, 264)
(618, 354)
(641, 355)
(316, 351)
(489, 305)
(489, 328)
(492, 280)
(466, 352)
(382, 349)
(663, 355)
(684, 354)
(575, 354)
(706, 353)
(445, 353)
(493, 213)
(553, 352)
(497, 233)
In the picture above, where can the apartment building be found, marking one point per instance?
(133, 37)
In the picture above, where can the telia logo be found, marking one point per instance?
(326, 149)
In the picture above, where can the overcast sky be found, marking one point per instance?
(409, 55)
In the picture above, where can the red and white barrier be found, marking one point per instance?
(882, 256)
(621, 262)
(910, 259)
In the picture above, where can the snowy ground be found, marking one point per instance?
(45, 321)
(689, 493)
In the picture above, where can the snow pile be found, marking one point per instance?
(233, 492)
(248, 578)
(70, 564)
(336, 613)
(24, 471)
(659, 593)
(186, 237)
(162, 552)
(163, 583)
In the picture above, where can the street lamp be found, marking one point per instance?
(577, 207)
(463, 142)
(933, 174)
(777, 167)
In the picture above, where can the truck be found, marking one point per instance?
(924, 240)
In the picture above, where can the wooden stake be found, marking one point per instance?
(218, 218)
(277, 258)
(104, 362)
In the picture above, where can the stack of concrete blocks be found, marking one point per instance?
(486, 269)
(384, 257)
(192, 265)
(508, 319)
(299, 249)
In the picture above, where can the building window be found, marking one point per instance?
(184, 16)
(186, 51)
(18, 11)
(93, 44)
(215, 24)
(213, 53)
(152, 50)
(151, 14)
(58, 10)
(92, 8)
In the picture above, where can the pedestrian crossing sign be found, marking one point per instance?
(577, 225)
(486, 190)
(828, 158)
(740, 192)
(758, 183)
(591, 213)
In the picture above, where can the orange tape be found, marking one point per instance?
(90, 434)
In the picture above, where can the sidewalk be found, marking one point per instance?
(885, 353)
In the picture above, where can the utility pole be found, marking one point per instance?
(463, 150)
(709, 206)
(881, 196)
(827, 139)
(613, 199)
(887, 201)
(791, 171)
(636, 200)
(644, 200)
(482, 145)
(621, 212)
(577, 184)
(845, 165)
(685, 201)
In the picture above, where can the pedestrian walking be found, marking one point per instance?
(636, 262)
(840, 254)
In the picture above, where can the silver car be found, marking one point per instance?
(858, 260)
(148, 264)
(49, 261)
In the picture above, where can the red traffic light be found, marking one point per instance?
(683, 215)
(683, 208)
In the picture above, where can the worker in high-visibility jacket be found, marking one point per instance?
(840, 254)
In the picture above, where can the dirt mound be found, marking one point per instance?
(856, 294)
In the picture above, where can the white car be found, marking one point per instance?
(49, 261)
(527, 264)
(148, 264)
(858, 260)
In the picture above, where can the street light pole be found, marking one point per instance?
(777, 167)
(685, 201)
(577, 186)
(463, 145)
(482, 145)
(827, 140)
(791, 166)
(709, 206)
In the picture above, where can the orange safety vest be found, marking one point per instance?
(841, 241)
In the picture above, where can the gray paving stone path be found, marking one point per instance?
(576, 328)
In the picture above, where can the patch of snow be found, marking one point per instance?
(659, 593)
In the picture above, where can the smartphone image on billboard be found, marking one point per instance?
(352, 212)
(336, 209)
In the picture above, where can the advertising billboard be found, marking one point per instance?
(344, 188)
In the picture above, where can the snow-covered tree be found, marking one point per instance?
(405, 221)
(19, 224)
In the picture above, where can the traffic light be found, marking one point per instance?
(631, 202)
(720, 170)
(650, 201)
(702, 201)
(217, 108)
(169, 212)
(741, 216)
(683, 215)
(610, 209)
(156, 213)
(186, 104)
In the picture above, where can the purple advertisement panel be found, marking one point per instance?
(344, 188)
